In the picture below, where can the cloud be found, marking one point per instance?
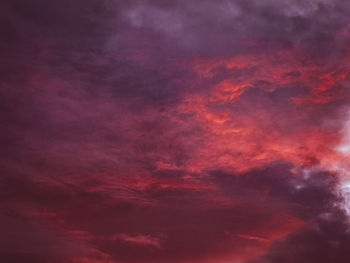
(218, 27)
(142, 240)
(221, 125)
(326, 237)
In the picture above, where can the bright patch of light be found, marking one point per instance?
(345, 149)
(342, 166)
(345, 192)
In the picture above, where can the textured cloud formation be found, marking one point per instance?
(174, 131)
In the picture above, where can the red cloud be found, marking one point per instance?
(142, 240)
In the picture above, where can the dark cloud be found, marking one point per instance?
(223, 27)
(327, 235)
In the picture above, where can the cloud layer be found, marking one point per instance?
(174, 131)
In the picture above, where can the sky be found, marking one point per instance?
(175, 131)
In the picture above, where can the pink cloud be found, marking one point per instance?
(142, 240)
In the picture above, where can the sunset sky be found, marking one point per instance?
(175, 131)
